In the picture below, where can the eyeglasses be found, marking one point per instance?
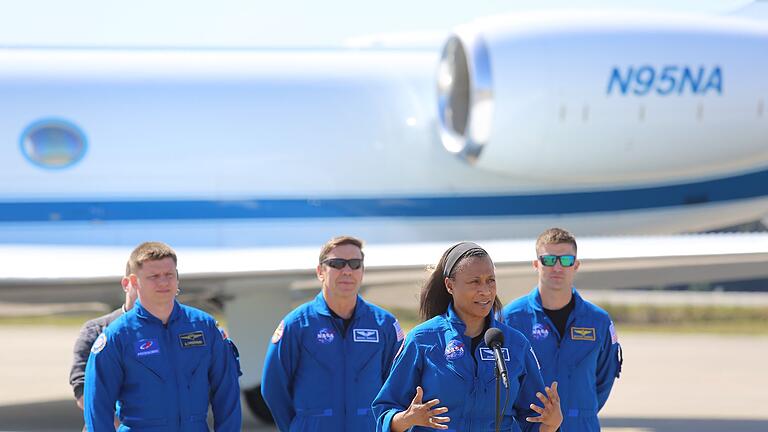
(551, 260)
(339, 263)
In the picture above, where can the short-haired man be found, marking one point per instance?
(329, 357)
(161, 364)
(90, 331)
(574, 340)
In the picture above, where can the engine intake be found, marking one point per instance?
(465, 99)
(600, 98)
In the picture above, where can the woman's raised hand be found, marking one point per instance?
(420, 414)
(551, 417)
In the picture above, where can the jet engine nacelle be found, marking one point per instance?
(606, 97)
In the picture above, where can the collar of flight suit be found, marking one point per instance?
(464, 367)
(534, 301)
(144, 314)
(456, 322)
(322, 307)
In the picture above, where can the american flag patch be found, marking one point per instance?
(398, 331)
(614, 336)
(278, 334)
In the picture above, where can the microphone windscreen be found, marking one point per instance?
(493, 336)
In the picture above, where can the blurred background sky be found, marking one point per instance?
(270, 24)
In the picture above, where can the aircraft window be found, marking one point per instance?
(53, 143)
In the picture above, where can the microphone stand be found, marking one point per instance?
(497, 418)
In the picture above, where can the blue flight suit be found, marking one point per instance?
(585, 362)
(162, 376)
(436, 357)
(317, 378)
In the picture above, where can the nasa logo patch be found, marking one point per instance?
(540, 331)
(99, 344)
(325, 336)
(454, 350)
(278, 334)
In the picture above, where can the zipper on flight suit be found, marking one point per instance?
(338, 323)
(167, 337)
(475, 382)
(344, 342)
(554, 328)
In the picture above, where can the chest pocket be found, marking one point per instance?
(367, 358)
(546, 350)
(581, 344)
(195, 362)
(444, 379)
(193, 354)
(488, 369)
(321, 350)
(152, 360)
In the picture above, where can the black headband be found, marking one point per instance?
(455, 253)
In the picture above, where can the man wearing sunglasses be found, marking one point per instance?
(329, 357)
(574, 340)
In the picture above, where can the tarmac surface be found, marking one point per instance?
(670, 382)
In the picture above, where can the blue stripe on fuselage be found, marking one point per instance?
(745, 186)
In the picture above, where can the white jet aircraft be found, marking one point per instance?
(246, 161)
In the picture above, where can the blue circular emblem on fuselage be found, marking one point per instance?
(53, 143)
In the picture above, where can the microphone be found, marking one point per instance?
(494, 338)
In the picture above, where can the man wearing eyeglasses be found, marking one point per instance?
(329, 357)
(574, 340)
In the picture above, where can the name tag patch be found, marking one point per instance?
(583, 333)
(487, 354)
(145, 347)
(366, 335)
(192, 339)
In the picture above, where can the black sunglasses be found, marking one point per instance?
(339, 263)
(551, 260)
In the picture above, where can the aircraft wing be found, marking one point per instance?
(53, 273)
(258, 286)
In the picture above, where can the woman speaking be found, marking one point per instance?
(444, 376)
